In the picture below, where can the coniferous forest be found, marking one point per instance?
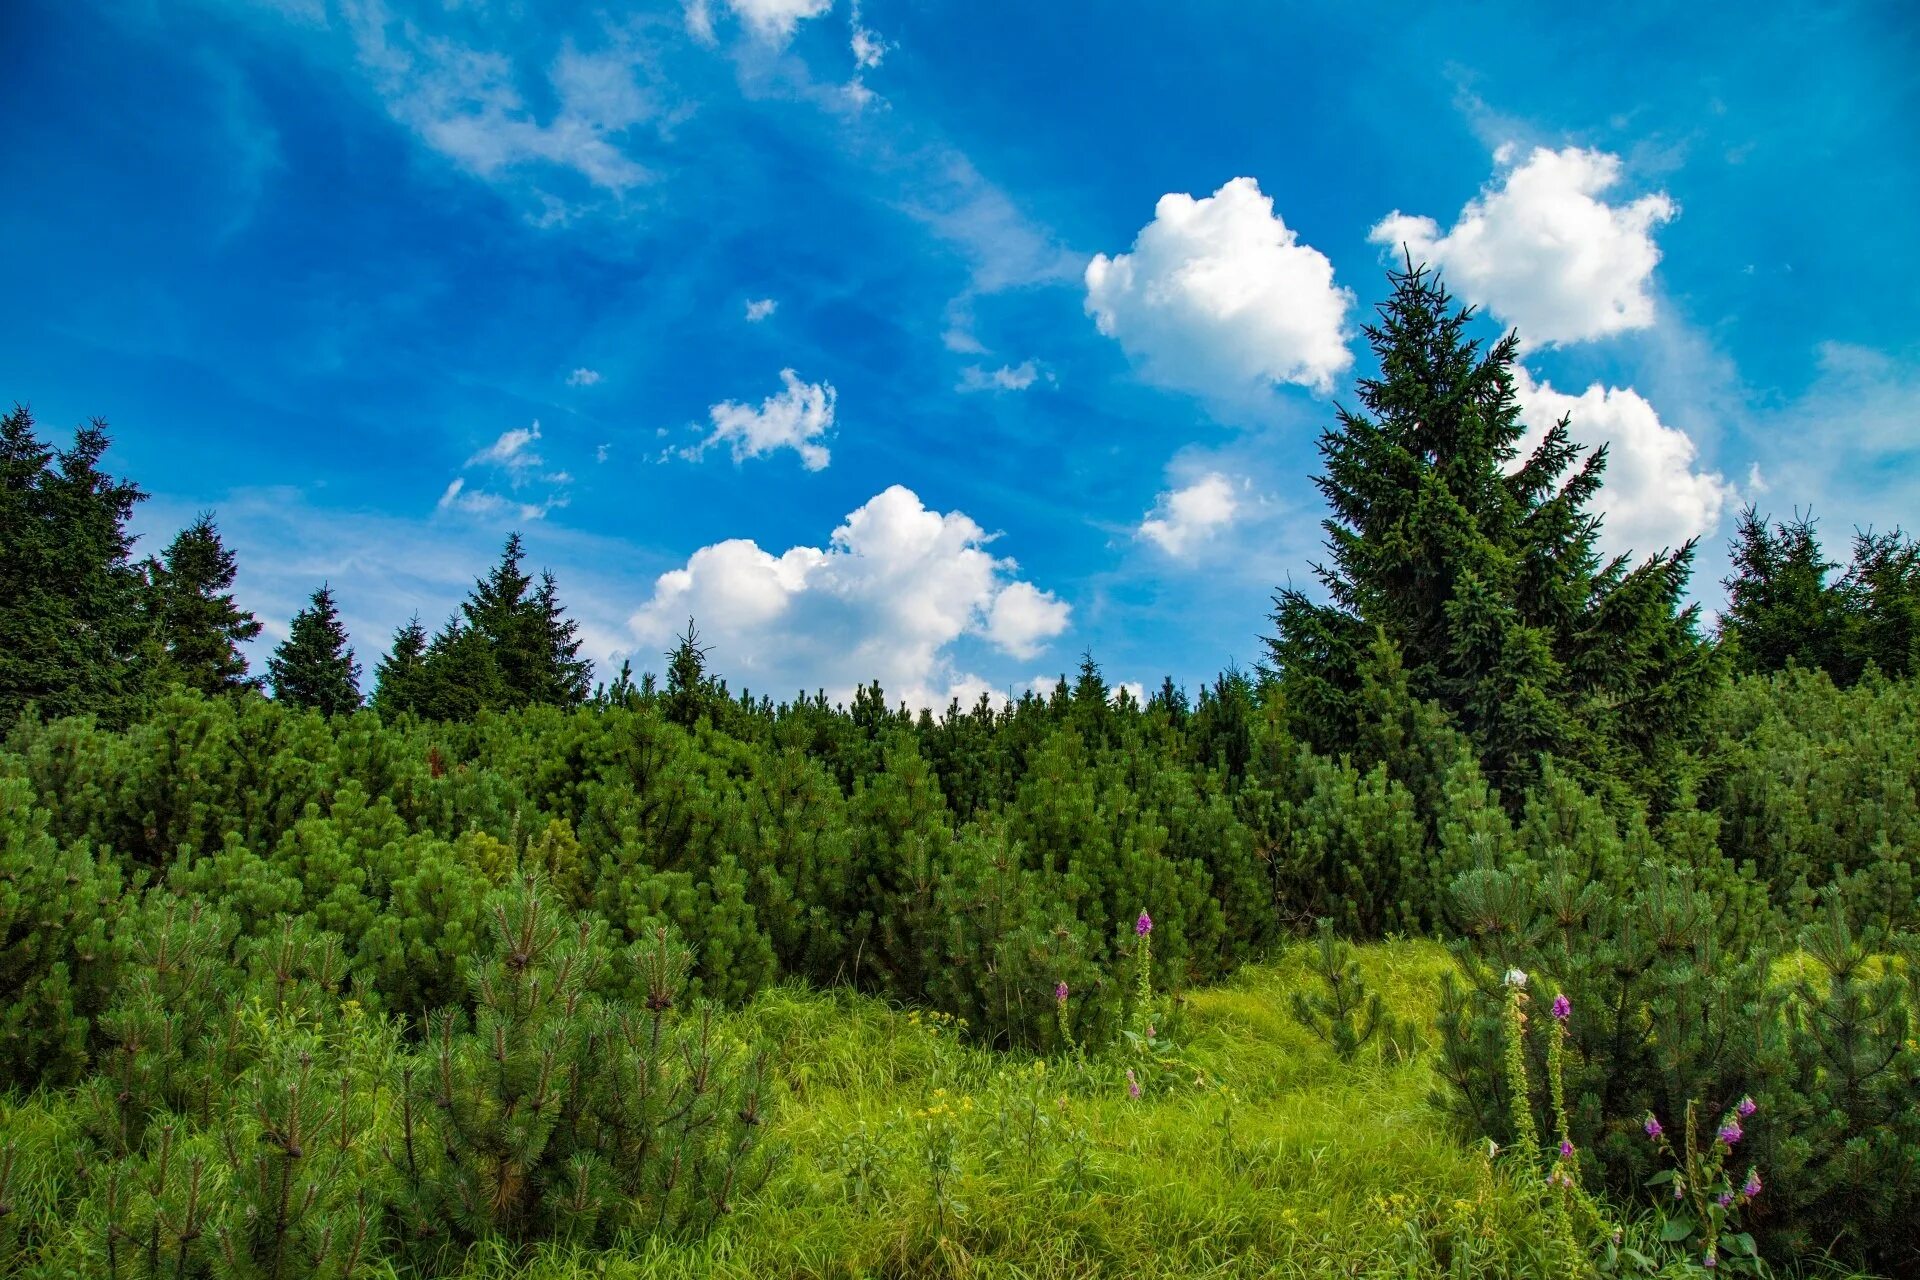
(1505, 919)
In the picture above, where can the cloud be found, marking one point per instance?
(514, 454)
(1003, 248)
(1849, 445)
(1024, 618)
(869, 50)
(698, 15)
(1219, 297)
(1656, 496)
(513, 450)
(1184, 518)
(491, 506)
(759, 309)
(1006, 378)
(1543, 251)
(770, 21)
(897, 586)
(466, 102)
(583, 378)
(791, 419)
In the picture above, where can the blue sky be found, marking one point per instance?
(1052, 300)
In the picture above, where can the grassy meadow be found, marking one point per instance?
(1255, 1152)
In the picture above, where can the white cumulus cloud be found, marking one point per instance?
(583, 377)
(895, 588)
(793, 418)
(1543, 250)
(1656, 495)
(1185, 518)
(759, 309)
(1024, 618)
(1218, 296)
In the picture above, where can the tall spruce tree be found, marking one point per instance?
(1781, 610)
(71, 626)
(501, 609)
(567, 677)
(1784, 609)
(399, 678)
(196, 624)
(1480, 568)
(314, 667)
(1882, 588)
(460, 676)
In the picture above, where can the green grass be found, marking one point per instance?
(911, 1153)
(908, 1151)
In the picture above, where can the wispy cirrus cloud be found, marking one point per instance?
(473, 105)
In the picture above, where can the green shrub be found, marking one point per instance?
(553, 1112)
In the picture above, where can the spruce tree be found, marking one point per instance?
(513, 623)
(566, 676)
(460, 676)
(686, 679)
(1781, 610)
(1480, 568)
(197, 626)
(71, 626)
(1882, 591)
(399, 678)
(314, 667)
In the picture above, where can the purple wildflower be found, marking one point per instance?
(1746, 1106)
(1677, 1189)
(1144, 925)
(1709, 1262)
(1752, 1188)
(1562, 1007)
(1566, 1148)
(1726, 1198)
(1060, 992)
(1133, 1085)
(1653, 1126)
(1730, 1132)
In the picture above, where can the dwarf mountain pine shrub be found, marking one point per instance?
(1346, 1016)
(554, 1111)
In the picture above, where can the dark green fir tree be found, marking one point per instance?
(687, 679)
(196, 624)
(1882, 588)
(399, 678)
(314, 667)
(71, 626)
(567, 678)
(1781, 610)
(502, 610)
(460, 676)
(1480, 568)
